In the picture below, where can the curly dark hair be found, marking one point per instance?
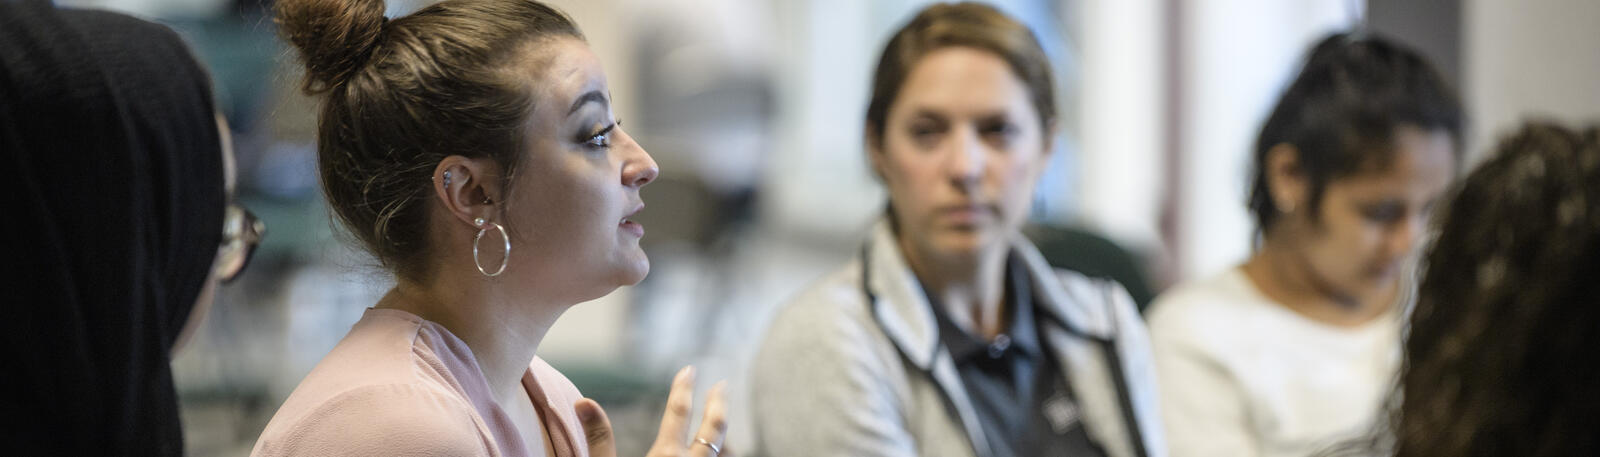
(1499, 359)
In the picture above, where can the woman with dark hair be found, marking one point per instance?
(1295, 349)
(949, 335)
(119, 227)
(1499, 357)
(471, 147)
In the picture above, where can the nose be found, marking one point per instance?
(1404, 235)
(963, 159)
(638, 168)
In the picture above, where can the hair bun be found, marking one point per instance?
(335, 37)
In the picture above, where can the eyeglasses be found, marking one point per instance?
(241, 233)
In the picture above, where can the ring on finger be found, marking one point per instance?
(715, 451)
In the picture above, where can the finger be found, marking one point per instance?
(680, 402)
(714, 426)
(596, 428)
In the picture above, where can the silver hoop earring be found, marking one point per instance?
(503, 237)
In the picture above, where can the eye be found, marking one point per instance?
(602, 138)
(925, 133)
(999, 128)
(999, 133)
(1383, 213)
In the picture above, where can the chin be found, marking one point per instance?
(634, 275)
(633, 269)
(962, 243)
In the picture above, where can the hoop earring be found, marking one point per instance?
(503, 237)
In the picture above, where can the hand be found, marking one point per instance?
(670, 442)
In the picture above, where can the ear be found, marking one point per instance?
(1286, 180)
(471, 189)
(1048, 140)
(874, 151)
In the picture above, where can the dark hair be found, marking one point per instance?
(115, 203)
(1342, 110)
(1500, 355)
(404, 94)
(966, 24)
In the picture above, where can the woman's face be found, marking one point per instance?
(962, 148)
(1370, 222)
(579, 180)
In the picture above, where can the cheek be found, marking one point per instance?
(1016, 176)
(560, 214)
(909, 179)
(1347, 245)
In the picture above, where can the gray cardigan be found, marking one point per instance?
(853, 369)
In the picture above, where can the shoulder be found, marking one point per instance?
(1089, 290)
(1209, 310)
(831, 312)
(1095, 305)
(828, 329)
(379, 419)
(379, 381)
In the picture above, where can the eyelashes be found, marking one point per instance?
(601, 139)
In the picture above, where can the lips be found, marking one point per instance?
(965, 214)
(629, 226)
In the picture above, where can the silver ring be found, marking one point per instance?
(714, 449)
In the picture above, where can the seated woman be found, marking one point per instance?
(1295, 349)
(1499, 359)
(949, 335)
(119, 225)
(472, 148)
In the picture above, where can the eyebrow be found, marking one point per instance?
(590, 96)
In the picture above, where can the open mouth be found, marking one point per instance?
(630, 226)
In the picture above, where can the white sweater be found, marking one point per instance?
(1242, 376)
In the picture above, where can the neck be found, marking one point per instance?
(502, 332)
(1285, 277)
(971, 288)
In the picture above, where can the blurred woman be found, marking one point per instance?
(471, 147)
(1294, 349)
(119, 226)
(949, 335)
(1499, 358)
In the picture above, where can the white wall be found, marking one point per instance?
(1238, 56)
(1529, 58)
(1122, 117)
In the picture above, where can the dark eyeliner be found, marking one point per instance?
(588, 139)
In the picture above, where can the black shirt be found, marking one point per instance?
(1018, 389)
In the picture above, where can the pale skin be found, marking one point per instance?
(1342, 268)
(962, 148)
(567, 210)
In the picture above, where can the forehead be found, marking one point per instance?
(1423, 161)
(962, 79)
(561, 69)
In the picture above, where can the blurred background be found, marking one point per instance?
(754, 110)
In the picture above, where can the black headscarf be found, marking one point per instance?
(114, 200)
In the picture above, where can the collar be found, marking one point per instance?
(1022, 331)
(906, 317)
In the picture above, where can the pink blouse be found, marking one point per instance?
(401, 385)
